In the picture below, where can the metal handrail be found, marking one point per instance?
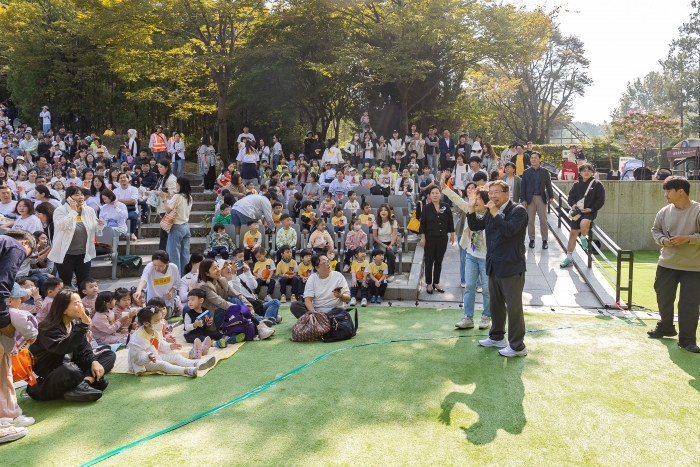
(561, 210)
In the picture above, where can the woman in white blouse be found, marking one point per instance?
(43, 195)
(166, 185)
(26, 220)
(113, 212)
(178, 246)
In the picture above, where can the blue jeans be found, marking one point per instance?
(134, 218)
(158, 155)
(475, 268)
(47, 127)
(270, 308)
(177, 166)
(178, 246)
(462, 254)
(433, 163)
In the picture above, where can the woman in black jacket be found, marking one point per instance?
(587, 187)
(62, 333)
(435, 223)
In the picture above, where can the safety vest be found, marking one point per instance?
(159, 142)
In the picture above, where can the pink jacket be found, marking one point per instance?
(355, 239)
(102, 327)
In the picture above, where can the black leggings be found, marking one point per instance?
(435, 248)
(73, 264)
(210, 178)
(201, 335)
(67, 376)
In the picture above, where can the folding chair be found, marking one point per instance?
(110, 237)
(375, 200)
(361, 190)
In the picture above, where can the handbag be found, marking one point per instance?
(575, 213)
(414, 223)
(342, 327)
(167, 221)
(22, 367)
(312, 326)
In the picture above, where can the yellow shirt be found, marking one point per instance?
(378, 271)
(519, 164)
(305, 270)
(357, 269)
(367, 219)
(251, 240)
(260, 266)
(276, 218)
(339, 221)
(283, 267)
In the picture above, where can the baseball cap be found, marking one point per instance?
(18, 292)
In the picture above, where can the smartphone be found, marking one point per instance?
(239, 264)
(337, 289)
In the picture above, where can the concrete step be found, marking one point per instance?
(211, 197)
(146, 246)
(102, 269)
(153, 230)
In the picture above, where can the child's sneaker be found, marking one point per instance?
(283, 298)
(269, 322)
(379, 299)
(206, 345)
(353, 301)
(196, 349)
(373, 300)
(268, 298)
(278, 319)
(294, 298)
(221, 343)
(192, 372)
(236, 338)
(364, 302)
(205, 365)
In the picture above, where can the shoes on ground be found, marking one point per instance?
(379, 300)
(236, 338)
(509, 352)
(133, 238)
(364, 302)
(532, 244)
(11, 433)
(22, 421)
(566, 263)
(479, 289)
(465, 323)
(205, 365)
(373, 300)
(690, 347)
(463, 284)
(488, 342)
(268, 322)
(206, 345)
(657, 333)
(264, 332)
(485, 322)
(545, 245)
(268, 298)
(283, 298)
(278, 319)
(294, 298)
(83, 392)
(353, 301)
(100, 385)
(220, 343)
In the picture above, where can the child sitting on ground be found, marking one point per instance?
(90, 288)
(123, 299)
(352, 203)
(149, 352)
(286, 236)
(200, 329)
(52, 286)
(356, 238)
(263, 271)
(339, 221)
(105, 328)
(160, 304)
(287, 274)
(320, 238)
(357, 269)
(327, 206)
(251, 240)
(224, 216)
(220, 243)
(375, 276)
(29, 283)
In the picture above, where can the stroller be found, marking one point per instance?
(551, 168)
(634, 170)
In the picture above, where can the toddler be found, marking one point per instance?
(105, 328)
(359, 264)
(220, 242)
(122, 298)
(355, 239)
(375, 276)
(327, 206)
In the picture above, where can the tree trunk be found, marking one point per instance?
(404, 111)
(221, 120)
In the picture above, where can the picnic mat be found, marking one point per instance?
(122, 364)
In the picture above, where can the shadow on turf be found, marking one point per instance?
(685, 360)
(497, 398)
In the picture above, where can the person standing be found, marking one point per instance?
(15, 246)
(436, 224)
(45, 118)
(535, 193)
(134, 144)
(512, 180)
(206, 163)
(178, 242)
(677, 230)
(158, 143)
(447, 150)
(592, 193)
(177, 153)
(504, 225)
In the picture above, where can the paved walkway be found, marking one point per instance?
(546, 284)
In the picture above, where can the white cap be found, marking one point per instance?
(476, 146)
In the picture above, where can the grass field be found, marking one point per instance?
(644, 273)
(593, 391)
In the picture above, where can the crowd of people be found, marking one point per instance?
(306, 224)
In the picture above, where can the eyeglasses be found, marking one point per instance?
(326, 262)
(495, 192)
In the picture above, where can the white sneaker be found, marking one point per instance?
(463, 284)
(364, 302)
(133, 238)
(11, 433)
(267, 298)
(390, 279)
(465, 323)
(207, 192)
(22, 421)
(485, 322)
(353, 301)
(492, 343)
(264, 332)
(509, 352)
(206, 364)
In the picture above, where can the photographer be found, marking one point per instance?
(586, 198)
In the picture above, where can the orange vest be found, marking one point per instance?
(159, 142)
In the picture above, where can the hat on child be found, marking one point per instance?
(18, 292)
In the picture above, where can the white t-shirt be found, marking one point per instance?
(321, 290)
(46, 117)
(31, 224)
(245, 158)
(277, 148)
(157, 284)
(8, 208)
(384, 233)
(245, 135)
(130, 193)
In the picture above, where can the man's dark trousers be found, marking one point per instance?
(666, 285)
(507, 302)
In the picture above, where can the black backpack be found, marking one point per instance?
(342, 327)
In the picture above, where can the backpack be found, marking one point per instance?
(312, 326)
(341, 325)
(22, 367)
(238, 320)
(130, 261)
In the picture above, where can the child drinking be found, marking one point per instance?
(105, 328)
(123, 300)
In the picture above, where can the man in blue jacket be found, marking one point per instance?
(504, 224)
(535, 193)
(447, 150)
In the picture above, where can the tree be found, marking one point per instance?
(640, 130)
(533, 94)
(646, 94)
(185, 50)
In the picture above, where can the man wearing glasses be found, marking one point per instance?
(505, 226)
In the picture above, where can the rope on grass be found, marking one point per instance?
(271, 383)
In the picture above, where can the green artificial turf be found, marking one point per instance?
(601, 393)
(644, 272)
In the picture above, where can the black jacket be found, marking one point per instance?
(527, 185)
(595, 199)
(149, 180)
(52, 345)
(505, 239)
(434, 223)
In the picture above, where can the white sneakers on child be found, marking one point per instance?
(364, 302)
(353, 301)
(264, 332)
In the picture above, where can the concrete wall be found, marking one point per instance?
(630, 209)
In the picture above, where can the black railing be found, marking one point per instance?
(595, 235)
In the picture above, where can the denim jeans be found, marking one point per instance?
(178, 246)
(271, 309)
(177, 166)
(46, 128)
(159, 155)
(475, 268)
(134, 218)
(462, 255)
(433, 163)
